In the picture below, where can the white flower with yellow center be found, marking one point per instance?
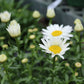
(54, 46)
(14, 29)
(56, 31)
(5, 16)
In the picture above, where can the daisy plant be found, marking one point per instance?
(78, 29)
(56, 47)
(54, 41)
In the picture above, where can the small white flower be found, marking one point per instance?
(14, 29)
(56, 31)
(5, 16)
(50, 13)
(54, 46)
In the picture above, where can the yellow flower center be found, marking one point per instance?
(56, 33)
(55, 49)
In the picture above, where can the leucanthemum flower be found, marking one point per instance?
(54, 46)
(56, 31)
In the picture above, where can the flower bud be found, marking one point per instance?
(14, 29)
(13, 22)
(78, 64)
(50, 13)
(3, 58)
(77, 21)
(71, 42)
(5, 16)
(32, 36)
(19, 10)
(78, 27)
(30, 30)
(25, 60)
(32, 46)
(56, 58)
(2, 38)
(76, 73)
(67, 64)
(36, 14)
(5, 46)
(35, 29)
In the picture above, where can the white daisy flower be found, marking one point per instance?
(54, 46)
(56, 31)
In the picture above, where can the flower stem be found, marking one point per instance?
(80, 42)
(50, 21)
(29, 70)
(17, 43)
(53, 70)
(5, 69)
(79, 34)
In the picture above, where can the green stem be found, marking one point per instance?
(7, 74)
(79, 34)
(26, 41)
(17, 43)
(53, 70)
(29, 70)
(50, 21)
(80, 42)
